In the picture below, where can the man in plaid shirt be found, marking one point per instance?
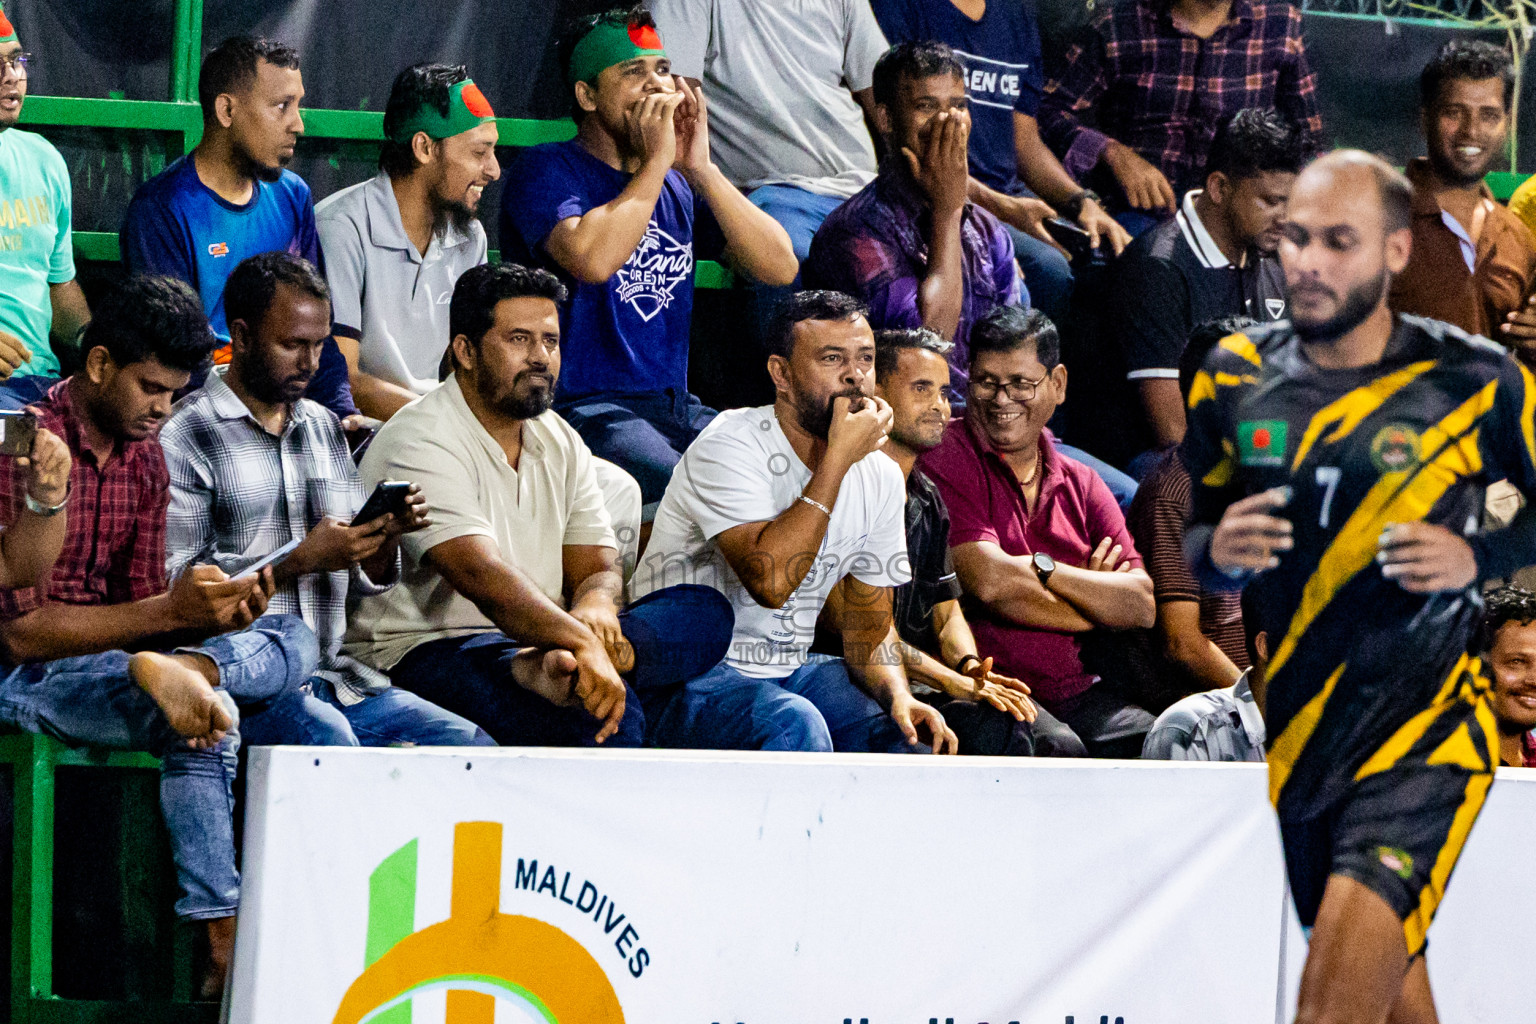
(254, 465)
(80, 646)
(1158, 76)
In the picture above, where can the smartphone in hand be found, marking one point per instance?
(272, 557)
(388, 497)
(18, 429)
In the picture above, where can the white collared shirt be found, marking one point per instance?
(1218, 725)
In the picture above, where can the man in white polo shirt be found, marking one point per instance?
(396, 244)
(786, 509)
(508, 611)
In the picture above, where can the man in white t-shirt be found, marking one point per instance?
(509, 608)
(791, 510)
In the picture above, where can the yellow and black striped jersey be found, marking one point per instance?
(1417, 436)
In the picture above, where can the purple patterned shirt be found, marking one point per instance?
(875, 248)
(1162, 91)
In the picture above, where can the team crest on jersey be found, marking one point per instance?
(1261, 442)
(1399, 862)
(1276, 308)
(1395, 448)
(648, 279)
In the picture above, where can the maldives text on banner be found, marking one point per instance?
(593, 888)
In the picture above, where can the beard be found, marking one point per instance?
(254, 168)
(523, 401)
(1359, 303)
(1448, 172)
(446, 212)
(815, 414)
(262, 381)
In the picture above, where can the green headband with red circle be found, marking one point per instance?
(467, 109)
(611, 43)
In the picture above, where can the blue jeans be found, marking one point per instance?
(800, 213)
(677, 633)
(817, 707)
(1137, 222)
(92, 701)
(20, 392)
(1122, 485)
(643, 434)
(395, 718)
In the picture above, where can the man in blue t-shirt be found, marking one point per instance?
(38, 292)
(232, 197)
(612, 213)
(999, 43)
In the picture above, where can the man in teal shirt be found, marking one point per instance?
(38, 291)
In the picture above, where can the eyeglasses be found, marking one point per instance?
(16, 62)
(1020, 389)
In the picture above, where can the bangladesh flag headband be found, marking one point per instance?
(7, 30)
(467, 108)
(609, 44)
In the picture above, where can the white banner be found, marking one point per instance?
(539, 886)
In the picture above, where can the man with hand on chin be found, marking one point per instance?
(1473, 262)
(613, 214)
(792, 510)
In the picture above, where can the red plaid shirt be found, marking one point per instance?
(1162, 91)
(114, 545)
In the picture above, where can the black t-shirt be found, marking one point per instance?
(1172, 279)
(933, 573)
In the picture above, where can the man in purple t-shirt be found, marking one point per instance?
(1036, 536)
(910, 245)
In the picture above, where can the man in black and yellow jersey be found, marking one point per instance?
(1339, 461)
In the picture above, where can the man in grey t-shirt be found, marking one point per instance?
(1217, 725)
(788, 87)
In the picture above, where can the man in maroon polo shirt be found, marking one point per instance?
(1037, 538)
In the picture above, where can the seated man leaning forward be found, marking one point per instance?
(66, 640)
(1038, 539)
(254, 465)
(508, 608)
(784, 509)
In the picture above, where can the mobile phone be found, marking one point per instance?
(271, 558)
(1075, 240)
(388, 497)
(18, 429)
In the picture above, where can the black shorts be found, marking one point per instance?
(1405, 818)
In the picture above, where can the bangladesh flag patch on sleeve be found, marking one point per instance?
(1261, 442)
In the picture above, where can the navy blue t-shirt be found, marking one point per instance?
(629, 334)
(1002, 55)
(179, 227)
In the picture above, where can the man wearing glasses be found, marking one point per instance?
(39, 296)
(1037, 539)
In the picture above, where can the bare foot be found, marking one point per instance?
(221, 953)
(180, 687)
(551, 675)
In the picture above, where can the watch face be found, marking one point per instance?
(1044, 562)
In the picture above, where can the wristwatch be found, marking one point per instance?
(1044, 566)
(37, 508)
(1073, 208)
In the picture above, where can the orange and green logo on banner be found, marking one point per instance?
(1261, 442)
(478, 955)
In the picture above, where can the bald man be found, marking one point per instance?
(1339, 462)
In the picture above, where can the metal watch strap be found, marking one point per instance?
(37, 508)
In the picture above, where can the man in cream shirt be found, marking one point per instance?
(510, 605)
